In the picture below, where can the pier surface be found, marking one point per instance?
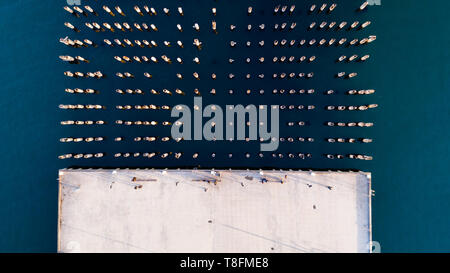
(213, 211)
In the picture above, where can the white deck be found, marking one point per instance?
(105, 211)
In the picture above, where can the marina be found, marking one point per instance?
(407, 69)
(265, 87)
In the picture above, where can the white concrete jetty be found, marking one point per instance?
(213, 211)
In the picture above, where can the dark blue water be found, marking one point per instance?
(408, 68)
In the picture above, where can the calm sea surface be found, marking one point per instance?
(409, 68)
